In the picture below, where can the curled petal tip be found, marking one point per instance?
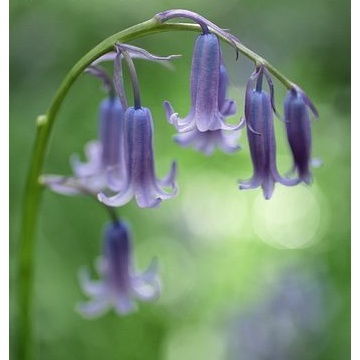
(169, 111)
(101, 196)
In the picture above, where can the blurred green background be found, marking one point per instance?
(220, 250)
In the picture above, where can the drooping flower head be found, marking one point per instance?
(103, 155)
(208, 104)
(139, 179)
(298, 130)
(260, 131)
(107, 153)
(208, 141)
(119, 284)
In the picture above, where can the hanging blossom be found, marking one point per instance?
(207, 141)
(105, 156)
(205, 113)
(260, 131)
(298, 130)
(139, 178)
(119, 283)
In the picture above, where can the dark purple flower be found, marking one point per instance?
(139, 178)
(207, 96)
(298, 130)
(260, 131)
(119, 283)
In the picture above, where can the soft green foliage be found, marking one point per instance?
(217, 246)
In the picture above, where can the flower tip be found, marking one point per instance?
(101, 197)
(169, 111)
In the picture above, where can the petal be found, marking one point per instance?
(283, 180)
(119, 199)
(101, 74)
(150, 274)
(169, 179)
(206, 147)
(139, 53)
(310, 104)
(145, 198)
(124, 305)
(252, 183)
(93, 308)
(110, 56)
(228, 108)
(182, 125)
(61, 184)
(231, 127)
(162, 194)
(146, 291)
(228, 143)
(185, 139)
(268, 186)
(93, 166)
(89, 287)
(147, 285)
(169, 111)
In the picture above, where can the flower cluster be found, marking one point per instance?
(122, 159)
(121, 166)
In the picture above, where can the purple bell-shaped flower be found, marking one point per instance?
(208, 105)
(208, 141)
(104, 156)
(139, 179)
(298, 130)
(261, 137)
(119, 284)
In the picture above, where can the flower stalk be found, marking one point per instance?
(33, 188)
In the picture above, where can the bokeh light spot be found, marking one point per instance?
(290, 219)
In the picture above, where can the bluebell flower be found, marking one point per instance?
(298, 130)
(208, 104)
(260, 131)
(119, 284)
(207, 141)
(139, 178)
(104, 156)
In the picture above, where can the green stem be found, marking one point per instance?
(45, 123)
